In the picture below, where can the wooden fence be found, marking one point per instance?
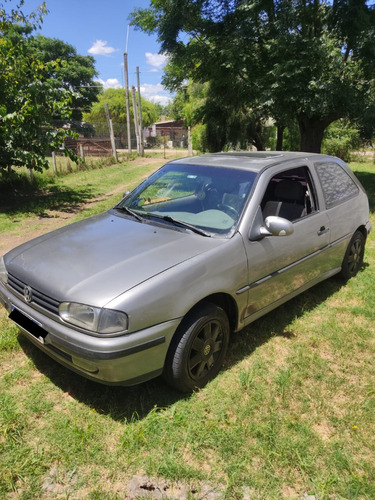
(90, 147)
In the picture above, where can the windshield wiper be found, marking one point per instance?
(128, 211)
(180, 223)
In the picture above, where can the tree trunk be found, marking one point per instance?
(258, 142)
(280, 138)
(312, 131)
(215, 137)
(254, 133)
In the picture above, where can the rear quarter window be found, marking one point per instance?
(336, 183)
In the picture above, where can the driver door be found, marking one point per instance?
(278, 266)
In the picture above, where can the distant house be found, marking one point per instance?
(174, 130)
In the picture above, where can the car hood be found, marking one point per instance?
(95, 260)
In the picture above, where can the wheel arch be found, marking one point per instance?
(223, 300)
(363, 230)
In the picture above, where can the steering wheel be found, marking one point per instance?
(232, 212)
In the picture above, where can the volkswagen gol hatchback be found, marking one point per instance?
(203, 247)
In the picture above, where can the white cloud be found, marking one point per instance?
(100, 48)
(161, 99)
(155, 93)
(148, 89)
(110, 83)
(156, 60)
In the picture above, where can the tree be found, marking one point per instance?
(28, 100)
(309, 61)
(366, 125)
(188, 102)
(322, 65)
(75, 73)
(115, 98)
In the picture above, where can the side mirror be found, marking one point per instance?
(272, 226)
(276, 226)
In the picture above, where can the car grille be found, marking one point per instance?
(38, 298)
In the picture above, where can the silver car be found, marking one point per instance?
(203, 247)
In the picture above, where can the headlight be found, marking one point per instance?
(3, 271)
(94, 319)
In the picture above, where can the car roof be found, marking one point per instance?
(255, 161)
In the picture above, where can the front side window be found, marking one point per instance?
(210, 198)
(337, 185)
(290, 194)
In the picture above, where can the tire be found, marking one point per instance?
(198, 348)
(353, 259)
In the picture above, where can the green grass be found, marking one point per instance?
(292, 413)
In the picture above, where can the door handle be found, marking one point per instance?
(323, 230)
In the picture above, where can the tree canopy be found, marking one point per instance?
(75, 73)
(115, 98)
(37, 88)
(309, 61)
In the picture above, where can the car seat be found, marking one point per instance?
(289, 201)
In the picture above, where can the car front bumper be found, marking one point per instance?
(122, 360)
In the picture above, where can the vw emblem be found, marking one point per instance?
(28, 294)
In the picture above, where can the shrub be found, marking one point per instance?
(341, 139)
(199, 137)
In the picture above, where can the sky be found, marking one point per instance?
(99, 28)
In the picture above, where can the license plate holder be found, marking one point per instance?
(29, 324)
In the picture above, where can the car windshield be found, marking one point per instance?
(208, 199)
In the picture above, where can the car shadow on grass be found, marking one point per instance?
(275, 323)
(124, 403)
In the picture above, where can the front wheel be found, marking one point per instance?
(198, 348)
(353, 259)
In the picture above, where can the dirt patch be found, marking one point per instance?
(58, 483)
(145, 487)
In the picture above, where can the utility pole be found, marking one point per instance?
(136, 124)
(127, 102)
(141, 149)
(127, 92)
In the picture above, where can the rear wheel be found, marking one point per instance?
(198, 348)
(353, 259)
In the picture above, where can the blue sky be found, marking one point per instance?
(99, 28)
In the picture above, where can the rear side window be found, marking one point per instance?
(337, 185)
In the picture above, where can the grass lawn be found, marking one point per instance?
(292, 414)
